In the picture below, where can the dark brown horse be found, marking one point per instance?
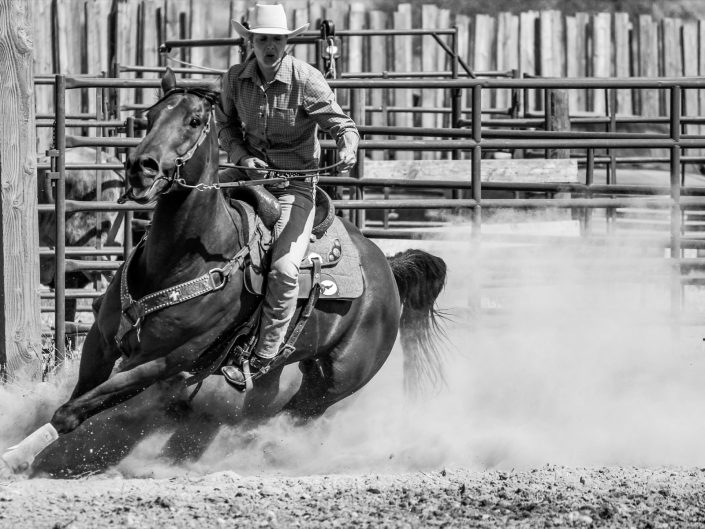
(343, 345)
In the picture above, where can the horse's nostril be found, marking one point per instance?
(149, 165)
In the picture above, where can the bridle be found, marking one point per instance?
(176, 178)
(212, 98)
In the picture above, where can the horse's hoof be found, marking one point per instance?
(6, 473)
(19, 458)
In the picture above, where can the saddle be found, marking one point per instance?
(331, 245)
(332, 264)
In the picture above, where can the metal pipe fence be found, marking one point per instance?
(473, 140)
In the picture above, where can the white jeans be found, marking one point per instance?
(292, 233)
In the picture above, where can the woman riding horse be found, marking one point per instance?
(180, 294)
(271, 108)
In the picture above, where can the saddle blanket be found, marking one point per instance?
(341, 269)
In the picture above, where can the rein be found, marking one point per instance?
(292, 174)
(175, 177)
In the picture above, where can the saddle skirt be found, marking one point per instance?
(341, 269)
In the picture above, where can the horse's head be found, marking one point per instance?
(177, 125)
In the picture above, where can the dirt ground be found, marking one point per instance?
(550, 496)
(574, 374)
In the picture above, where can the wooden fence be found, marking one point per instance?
(87, 36)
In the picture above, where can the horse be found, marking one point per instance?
(82, 227)
(195, 233)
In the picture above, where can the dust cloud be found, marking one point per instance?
(559, 351)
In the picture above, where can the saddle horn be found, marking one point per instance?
(266, 206)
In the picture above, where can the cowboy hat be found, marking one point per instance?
(268, 20)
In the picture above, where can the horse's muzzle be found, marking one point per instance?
(130, 196)
(144, 165)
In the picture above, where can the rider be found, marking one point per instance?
(272, 106)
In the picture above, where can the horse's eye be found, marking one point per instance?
(195, 122)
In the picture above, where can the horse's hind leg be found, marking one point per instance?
(191, 440)
(194, 434)
(320, 388)
(313, 397)
(197, 429)
(260, 402)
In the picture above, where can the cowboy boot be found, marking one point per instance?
(241, 377)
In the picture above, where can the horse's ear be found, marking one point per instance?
(168, 81)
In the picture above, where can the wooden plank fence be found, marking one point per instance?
(88, 36)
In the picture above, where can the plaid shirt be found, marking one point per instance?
(279, 122)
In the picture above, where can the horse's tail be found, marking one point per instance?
(420, 278)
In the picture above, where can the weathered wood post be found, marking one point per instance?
(557, 118)
(20, 338)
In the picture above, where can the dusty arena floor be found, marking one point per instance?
(546, 497)
(571, 400)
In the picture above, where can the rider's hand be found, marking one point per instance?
(347, 150)
(348, 159)
(256, 168)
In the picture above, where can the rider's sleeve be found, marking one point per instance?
(320, 104)
(229, 125)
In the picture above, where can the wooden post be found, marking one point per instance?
(622, 62)
(601, 57)
(20, 340)
(582, 21)
(671, 58)
(403, 61)
(43, 65)
(378, 63)
(528, 55)
(357, 16)
(70, 19)
(150, 35)
(483, 53)
(462, 22)
(557, 118)
(443, 61)
(552, 44)
(507, 52)
(238, 9)
(701, 71)
(301, 17)
(691, 106)
(125, 50)
(429, 63)
(648, 65)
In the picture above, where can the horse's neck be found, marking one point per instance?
(190, 230)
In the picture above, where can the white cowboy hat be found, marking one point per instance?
(268, 20)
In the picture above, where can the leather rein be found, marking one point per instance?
(175, 177)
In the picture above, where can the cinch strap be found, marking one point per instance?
(134, 312)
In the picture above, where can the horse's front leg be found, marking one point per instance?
(131, 380)
(97, 362)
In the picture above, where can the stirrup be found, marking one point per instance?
(241, 379)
